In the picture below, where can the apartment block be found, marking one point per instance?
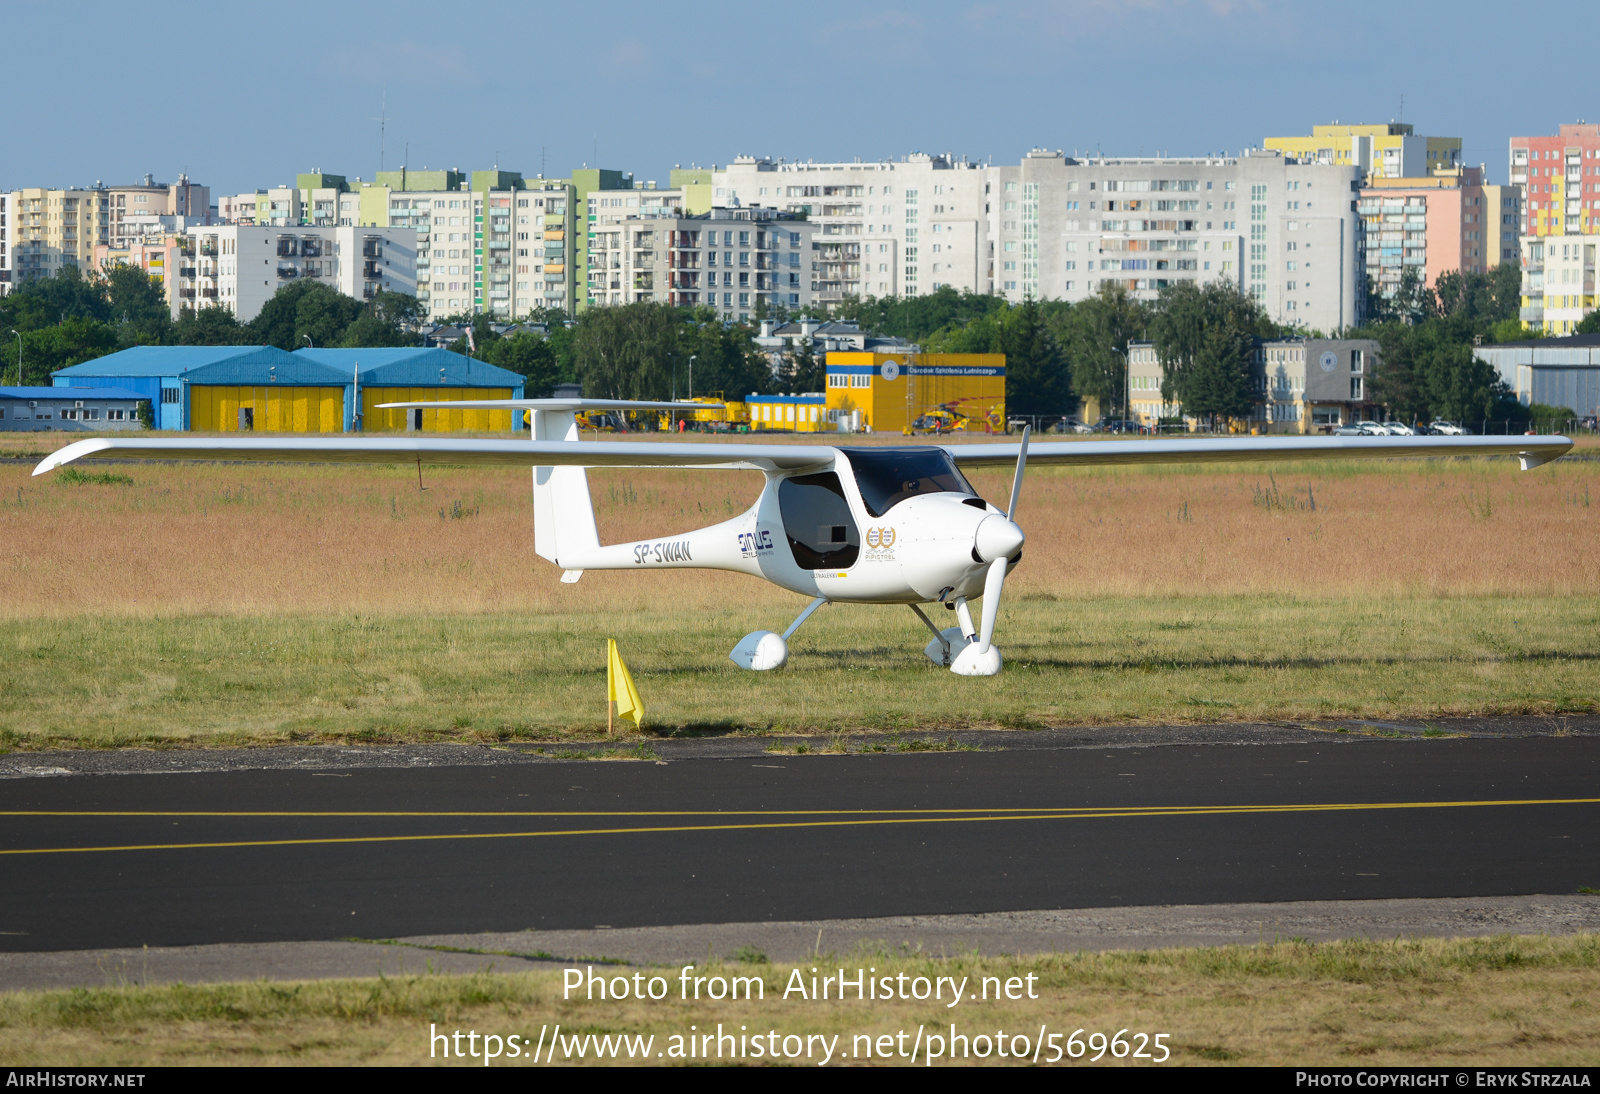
(887, 228)
(742, 262)
(157, 250)
(241, 267)
(134, 207)
(1389, 150)
(493, 243)
(5, 242)
(1057, 227)
(1447, 222)
(55, 228)
(1560, 177)
(1283, 231)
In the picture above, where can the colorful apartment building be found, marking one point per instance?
(1449, 221)
(1389, 150)
(1560, 177)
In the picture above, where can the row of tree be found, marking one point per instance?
(1057, 353)
(70, 318)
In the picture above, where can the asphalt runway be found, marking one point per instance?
(254, 856)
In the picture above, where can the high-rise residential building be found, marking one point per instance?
(241, 267)
(1434, 225)
(490, 243)
(1502, 223)
(1283, 231)
(585, 181)
(132, 207)
(886, 228)
(1560, 176)
(1057, 227)
(5, 242)
(745, 263)
(1387, 150)
(55, 228)
(696, 184)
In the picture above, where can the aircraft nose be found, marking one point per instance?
(997, 537)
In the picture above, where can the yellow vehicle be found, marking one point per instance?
(720, 415)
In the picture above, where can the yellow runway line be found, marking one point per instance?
(1096, 810)
(994, 815)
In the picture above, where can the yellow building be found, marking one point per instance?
(891, 392)
(796, 413)
(55, 228)
(1390, 150)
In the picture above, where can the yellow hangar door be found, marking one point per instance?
(374, 420)
(221, 408)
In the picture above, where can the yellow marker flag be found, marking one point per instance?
(619, 686)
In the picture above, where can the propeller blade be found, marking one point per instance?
(993, 581)
(1016, 480)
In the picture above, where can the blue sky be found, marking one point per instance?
(243, 96)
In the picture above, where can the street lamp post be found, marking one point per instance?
(691, 374)
(1127, 382)
(19, 358)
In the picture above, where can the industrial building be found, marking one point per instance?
(888, 393)
(96, 409)
(421, 375)
(261, 388)
(795, 413)
(1552, 371)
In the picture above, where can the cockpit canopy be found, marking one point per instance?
(888, 476)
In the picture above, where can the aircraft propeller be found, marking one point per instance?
(997, 542)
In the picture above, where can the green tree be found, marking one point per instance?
(628, 351)
(529, 355)
(213, 325)
(1037, 378)
(1096, 333)
(917, 317)
(803, 370)
(1589, 325)
(726, 358)
(1205, 339)
(301, 309)
(138, 306)
(389, 319)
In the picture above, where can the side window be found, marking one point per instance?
(816, 519)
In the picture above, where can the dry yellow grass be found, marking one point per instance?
(207, 603)
(285, 538)
(1491, 1001)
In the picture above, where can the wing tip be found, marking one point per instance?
(68, 453)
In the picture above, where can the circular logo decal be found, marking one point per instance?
(890, 370)
(888, 537)
(1328, 361)
(872, 537)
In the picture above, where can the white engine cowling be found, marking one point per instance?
(760, 651)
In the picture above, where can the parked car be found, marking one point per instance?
(1399, 429)
(1361, 429)
(1443, 428)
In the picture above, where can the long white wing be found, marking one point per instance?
(1533, 451)
(405, 450)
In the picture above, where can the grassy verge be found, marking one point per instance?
(226, 680)
(1495, 1001)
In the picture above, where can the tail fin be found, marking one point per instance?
(563, 515)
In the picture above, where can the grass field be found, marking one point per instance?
(1421, 1002)
(237, 604)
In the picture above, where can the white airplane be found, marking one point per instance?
(838, 524)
